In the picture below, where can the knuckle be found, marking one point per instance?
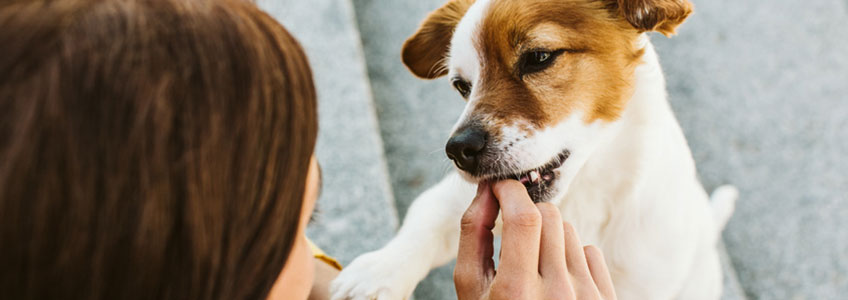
(548, 210)
(560, 291)
(530, 218)
(468, 220)
(508, 290)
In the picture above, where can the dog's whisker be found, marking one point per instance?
(435, 151)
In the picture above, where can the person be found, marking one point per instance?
(164, 150)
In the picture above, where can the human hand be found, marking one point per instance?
(541, 257)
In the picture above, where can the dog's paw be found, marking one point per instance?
(375, 275)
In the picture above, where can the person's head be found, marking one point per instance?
(152, 149)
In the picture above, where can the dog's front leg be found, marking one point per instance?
(428, 238)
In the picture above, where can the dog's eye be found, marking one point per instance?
(462, 86)
(535, 61)
(539, 57)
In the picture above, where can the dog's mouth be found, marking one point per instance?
(538, 181)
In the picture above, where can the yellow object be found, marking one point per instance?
(320, 255)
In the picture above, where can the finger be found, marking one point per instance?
(552, 263)
(600, 272)
(574, 256)
(474, 261)
(522, 228)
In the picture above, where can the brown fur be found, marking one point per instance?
(662, 16)
(594, 76)
(423, 53)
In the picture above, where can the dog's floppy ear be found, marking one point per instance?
(424, 52)
(662, 16)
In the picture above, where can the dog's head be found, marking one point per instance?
(544, 80)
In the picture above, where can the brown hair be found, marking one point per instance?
(149, 149)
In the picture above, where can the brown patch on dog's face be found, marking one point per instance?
(593, 58)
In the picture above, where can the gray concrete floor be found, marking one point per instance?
(356, 210)
(762, 94)
(415, 115)
(759, 88)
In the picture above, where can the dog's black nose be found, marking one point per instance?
(465, 146)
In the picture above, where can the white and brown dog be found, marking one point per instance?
(568, 97)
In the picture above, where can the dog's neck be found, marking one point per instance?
(647, 140)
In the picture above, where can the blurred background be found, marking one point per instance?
(760, 88)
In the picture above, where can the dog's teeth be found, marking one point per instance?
(534, 176)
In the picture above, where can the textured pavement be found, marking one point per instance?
(760, 89)
(415, 115)
(355, 212)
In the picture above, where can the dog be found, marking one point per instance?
(568, 97)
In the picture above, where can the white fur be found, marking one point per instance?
(463, 60)
(629, 187)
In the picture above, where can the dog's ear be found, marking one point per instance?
(424, 52)
(662, 16)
